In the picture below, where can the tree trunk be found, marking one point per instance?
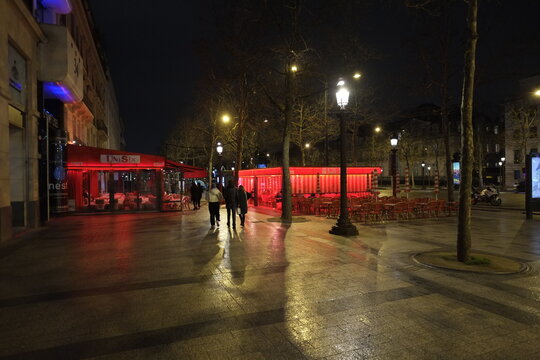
(286, 205)
(448, 157)
(467, 146)
(239, 148)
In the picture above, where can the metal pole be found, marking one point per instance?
(528, 188)
(394, 170)
(343, 226)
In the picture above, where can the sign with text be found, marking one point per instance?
(120, 159)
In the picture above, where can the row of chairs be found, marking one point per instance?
(403, 210)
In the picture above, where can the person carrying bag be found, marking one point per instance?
(243, 197)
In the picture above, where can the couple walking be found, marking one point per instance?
(235, 200)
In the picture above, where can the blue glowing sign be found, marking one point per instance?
(58, 91)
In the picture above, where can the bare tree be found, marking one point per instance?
(467, 136)
(524, 116)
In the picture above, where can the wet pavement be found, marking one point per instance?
(167, 286)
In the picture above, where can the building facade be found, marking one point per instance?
(522, 118)
(19, 117)
(55, 89)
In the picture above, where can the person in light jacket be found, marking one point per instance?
(243, 197)
(214, 199)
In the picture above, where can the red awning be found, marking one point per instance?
(309, 170)
(190, 172)
(86, 157)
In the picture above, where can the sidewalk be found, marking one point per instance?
(167, 286)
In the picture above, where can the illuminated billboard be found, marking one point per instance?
(535, 174)
(456, 173)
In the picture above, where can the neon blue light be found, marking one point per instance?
(59, 6)
(59, 91)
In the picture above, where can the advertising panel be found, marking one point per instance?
(456, 173)
(535, 180)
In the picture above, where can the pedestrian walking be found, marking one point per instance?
(231, 202)
(200, 190)
(243, 197)
(214, 199)
(194, 194)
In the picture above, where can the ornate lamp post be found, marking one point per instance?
(393, 163)
(423, 175)
(343, 227)
(429, 175)
(219, 149)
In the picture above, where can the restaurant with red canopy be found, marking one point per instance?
(266, 185)
(97, 178)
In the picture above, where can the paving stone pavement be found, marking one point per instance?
(167, 286)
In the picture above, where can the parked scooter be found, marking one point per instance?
(489, 194)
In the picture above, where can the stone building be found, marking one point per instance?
(55, 89)
(19, 117)
(522, 118)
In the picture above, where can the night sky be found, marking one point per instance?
(149, 47)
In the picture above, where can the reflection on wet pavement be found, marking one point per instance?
(169, 286)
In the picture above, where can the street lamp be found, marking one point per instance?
(423, 175)
(393, 163)
(219, 149)
(429, 175)
(343, 227)
(502, 162)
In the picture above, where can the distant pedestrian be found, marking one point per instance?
(214, 199)
(231, 202)
(194, 195)
(243, 197)
(200, 191)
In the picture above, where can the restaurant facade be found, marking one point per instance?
(112, 180)
(266, 184)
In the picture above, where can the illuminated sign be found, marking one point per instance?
(535, 173)
(456, 173)
(120, 159)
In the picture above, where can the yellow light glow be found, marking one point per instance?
(357, 75)
(294, 68)
(537, 92)
(307, 145)
(226, 118)
(378, 129)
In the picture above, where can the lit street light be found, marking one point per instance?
(343, 227)
(219, 149)
(393, 164)
(423, 175)
(501, 163)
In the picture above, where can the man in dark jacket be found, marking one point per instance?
(231, 202)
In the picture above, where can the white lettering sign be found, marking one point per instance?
(120, 159)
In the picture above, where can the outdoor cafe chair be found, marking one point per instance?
(376, 211)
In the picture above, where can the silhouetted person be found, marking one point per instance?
(242, 204)
(231, 202)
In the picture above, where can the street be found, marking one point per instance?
(167, 286)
